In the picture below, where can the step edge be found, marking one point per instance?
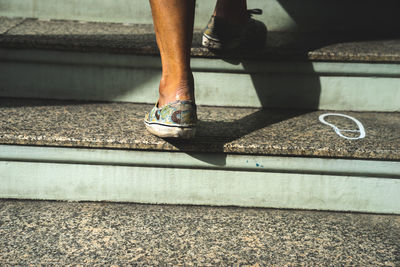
(193, 160)
(96, 59)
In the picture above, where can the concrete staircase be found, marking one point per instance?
(240, 156)
(76, 79)
(301, 69)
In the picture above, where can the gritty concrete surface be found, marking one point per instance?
(220, 129)
(61, 233)
(7, 24)
(139, 39)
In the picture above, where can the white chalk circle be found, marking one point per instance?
(339, 131)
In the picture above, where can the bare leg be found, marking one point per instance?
(232, 11)
(173, 24)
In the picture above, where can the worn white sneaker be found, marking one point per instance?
(175, 120)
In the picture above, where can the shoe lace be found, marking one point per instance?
(255, 11)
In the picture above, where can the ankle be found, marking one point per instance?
(232, 11)
(171, 90)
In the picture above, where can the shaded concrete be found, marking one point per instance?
(346, 46)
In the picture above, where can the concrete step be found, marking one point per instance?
(115, 62)
(241, 156)
(62, 233)
(310, 15)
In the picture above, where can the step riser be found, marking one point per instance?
(113, 77)
(278, 15)
(126, 177)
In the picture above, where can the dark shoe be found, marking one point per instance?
(220, 35)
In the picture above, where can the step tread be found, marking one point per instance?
(139, 39)
(61, 233)
(220, 130)
(8, 23)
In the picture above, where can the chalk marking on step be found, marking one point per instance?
(339, 131)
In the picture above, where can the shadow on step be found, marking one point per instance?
(296, 89)
(293, 93)
(343, 15)
(216, 134)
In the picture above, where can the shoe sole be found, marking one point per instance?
(210, 43)
(170, 131)
(214, 44)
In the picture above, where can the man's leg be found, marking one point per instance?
(173, 24)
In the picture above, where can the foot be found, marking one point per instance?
(221, 34)
(175, 114)
(174, 120)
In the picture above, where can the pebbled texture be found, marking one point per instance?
(227, 130)
(59, 233)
